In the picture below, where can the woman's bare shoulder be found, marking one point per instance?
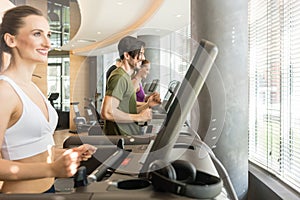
(7, 93)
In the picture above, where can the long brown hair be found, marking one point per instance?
(12, 21)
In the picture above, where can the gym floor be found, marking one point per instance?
(61, 135)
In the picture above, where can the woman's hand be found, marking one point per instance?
(85, 151)
(66, 165)
(154, 99)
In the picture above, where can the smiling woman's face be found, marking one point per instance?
(145, 70)
(32, 42)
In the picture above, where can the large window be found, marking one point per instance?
(59, 62)
(274, 93)
(59, 21)
(59, 81)
(176, 51)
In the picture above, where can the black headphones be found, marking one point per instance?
(182, 178)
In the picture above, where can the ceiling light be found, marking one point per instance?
(179, 15)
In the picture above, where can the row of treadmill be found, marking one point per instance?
(167, 161)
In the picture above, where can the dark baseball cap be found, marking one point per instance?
(128, 44)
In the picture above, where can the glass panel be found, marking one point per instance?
(54, 83)
(59, 81)
(59, 66)
(59, 21)
(66, 86)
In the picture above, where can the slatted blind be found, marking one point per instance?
(274, 87)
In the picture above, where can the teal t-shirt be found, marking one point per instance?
(119, 85)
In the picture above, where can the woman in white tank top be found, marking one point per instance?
(28, 161)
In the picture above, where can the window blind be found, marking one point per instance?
(274, 87)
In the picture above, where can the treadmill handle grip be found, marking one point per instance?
(100, 172)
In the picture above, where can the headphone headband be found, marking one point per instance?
(203, 186)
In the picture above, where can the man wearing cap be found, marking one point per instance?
(119, 108)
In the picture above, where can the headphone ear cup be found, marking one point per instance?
(185, 171)
(164, 169)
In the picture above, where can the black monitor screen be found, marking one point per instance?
(153, 85)
(171, 94)
(183, 102)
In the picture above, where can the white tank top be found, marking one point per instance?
(32, 133)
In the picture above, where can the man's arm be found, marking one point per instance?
(111, 112)
(151, 101)
(142, 106)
